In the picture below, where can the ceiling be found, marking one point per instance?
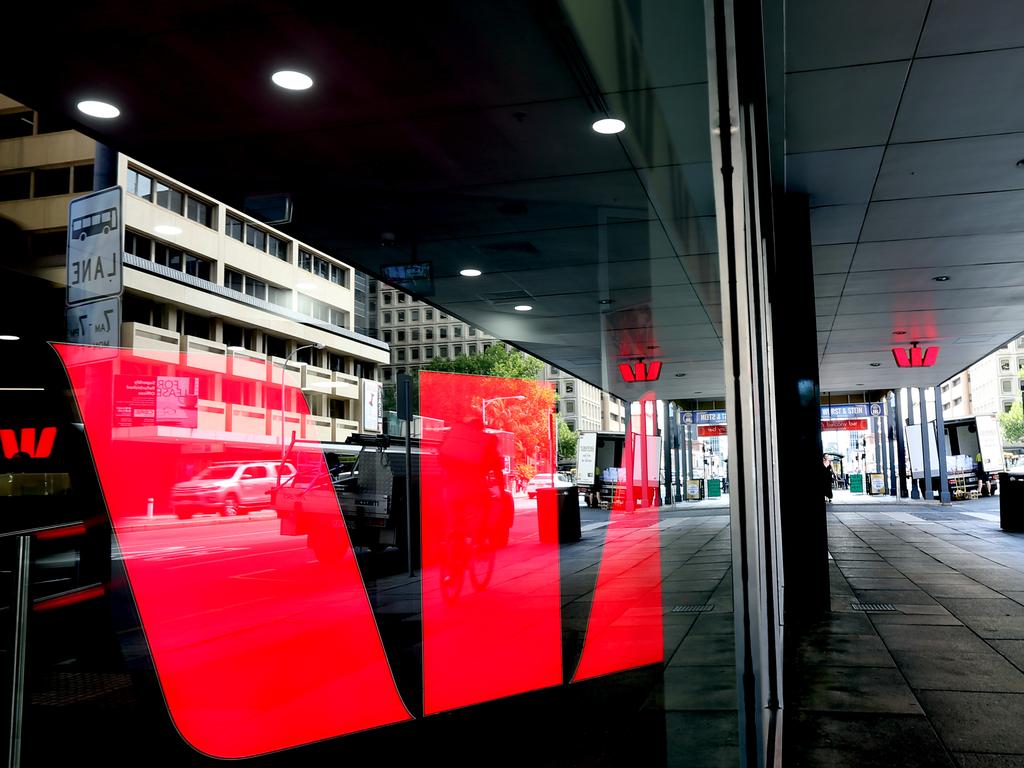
(459, 133)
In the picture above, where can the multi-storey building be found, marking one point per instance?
(200, 278)
(419, 333)
(992, 385)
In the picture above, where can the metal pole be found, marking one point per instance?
(940, 439)
(890, 445)
(926, 449)
(408, 476)
(679, 439)
(877, 444)
(627, 460)
(915, 492)
(19, 648)
(644, 484)
(104, 170)
(666, 437)
(901, 448)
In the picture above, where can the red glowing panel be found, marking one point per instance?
(931, 355)
(23, 441)
(901, 357)
(654, 371)
(627, 373)
(915, 357)
(625, 627)
(259, 642)
(490, 578)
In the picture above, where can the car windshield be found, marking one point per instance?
(222, 472)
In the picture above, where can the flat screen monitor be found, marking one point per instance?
(413, 277)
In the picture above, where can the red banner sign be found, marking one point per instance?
(714, 430)
(844, 425)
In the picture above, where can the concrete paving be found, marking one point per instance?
(933, 674)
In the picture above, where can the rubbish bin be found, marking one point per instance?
(558, 515)
(714, 488)
(1011, 502)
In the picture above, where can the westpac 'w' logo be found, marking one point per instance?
(23, 442)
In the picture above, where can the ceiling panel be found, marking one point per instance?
(968, 95)
(829, 285)
(843, 32)
(960, 278)
(987, 213)
(940, 251)
(959, 26)
(955, 166)
(965, 299)
(838, 177)
(836, 224)
(842, 108)
(833, 259)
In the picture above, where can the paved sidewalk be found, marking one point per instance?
(933, 673)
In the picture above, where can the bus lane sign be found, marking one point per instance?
(95, 246)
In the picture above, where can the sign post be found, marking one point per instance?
(95, 278)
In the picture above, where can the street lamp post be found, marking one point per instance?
(486, 400)
(284, 370)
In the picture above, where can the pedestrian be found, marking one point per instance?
(828, 476)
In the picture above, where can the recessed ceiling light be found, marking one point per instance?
(167, 229)
(874, 365)
(9, 337)
(652, 346)
(609, 125)
(606, 301)
(680, 375)
(291, 80)
(523, 307)
(941, 278)
(98, 109)
(698, 392)
(470, 272)
(899, 333)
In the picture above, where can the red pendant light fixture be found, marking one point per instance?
(915, 357)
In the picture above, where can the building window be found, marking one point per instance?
(1007, 406)
(169, 257)
(1007, 385)
(401, 298)
(321, 268)
(555, 371)
(457, 331)
(945, 406)
(442, 351)
(339, 275)
(457, 350)
(471, 349)
(400, 355)
(282, 297)
(387, 336)
(305, 260)
(199, 212)
(486, 347)
(137, 245)
(401, 335)
(570, 387)
(415, 353)
(387, 297)
(945, 387)
(386, 318)
(571, 425)
(414, 315)
(472, 331)
(197, 267)
(442, 332)
(387, 374)
(428, 314)
(233, 227)
(428, 333)
(570, 406)
(257, 238)
(52, 181)
(401, 315)
(15, 186)
(170, 198)
(428, 353)
(957, 401)
(234, 280)
(443, 316)
(139, 184)
(277, 248)
(415, 334)
(16, 124)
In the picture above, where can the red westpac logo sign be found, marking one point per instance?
(285, 646)
(27, 442)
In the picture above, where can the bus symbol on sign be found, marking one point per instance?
(93, 224)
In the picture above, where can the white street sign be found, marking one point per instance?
(95, 245)
(97, 323)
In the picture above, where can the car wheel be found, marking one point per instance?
(532, 495)
(183, 513)
(230, 508)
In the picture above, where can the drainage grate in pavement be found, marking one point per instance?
(874, 607)
(693, 608)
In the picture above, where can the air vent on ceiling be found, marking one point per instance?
(501, 298)
(518, 246)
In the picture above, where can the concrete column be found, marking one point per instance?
(666, 446)
(926, 482)
(901, 448)
(940, 445)
(915, 491)
(680, 466)
(890, 434)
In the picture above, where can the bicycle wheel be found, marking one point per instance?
(453, 569)
(481, 562)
